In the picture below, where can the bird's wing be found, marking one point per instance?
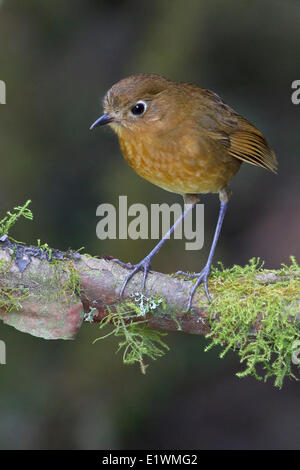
(241, 139)
(248, 144)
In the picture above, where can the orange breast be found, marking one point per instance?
(182, 166)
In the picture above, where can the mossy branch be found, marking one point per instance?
(49, 293)
(255, 311)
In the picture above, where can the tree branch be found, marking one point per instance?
(51, 299)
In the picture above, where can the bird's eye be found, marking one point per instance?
(139, 108)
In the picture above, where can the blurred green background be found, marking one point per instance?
(58, 59)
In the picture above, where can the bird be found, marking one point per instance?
(186, 140)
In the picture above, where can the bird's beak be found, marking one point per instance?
(105, 119)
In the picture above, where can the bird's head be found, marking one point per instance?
(140, 103)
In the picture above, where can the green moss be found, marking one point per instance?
(11, 218)
(12, 298)
(63, 284)
(253, 312)
(45, 247)
(137, 340)
(256, 317)
(4, 266)
(66, 277)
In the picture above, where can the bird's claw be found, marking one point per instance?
(143, 265)
(124, 265)
(201, 277)
(188, 275)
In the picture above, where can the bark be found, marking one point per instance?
(37, 296)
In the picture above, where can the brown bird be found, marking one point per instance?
(184, 139)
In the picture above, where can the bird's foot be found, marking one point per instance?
(201, 277)
(143, 265)
(124, 265)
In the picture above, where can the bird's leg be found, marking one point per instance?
(145, 264)
(204, 274)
